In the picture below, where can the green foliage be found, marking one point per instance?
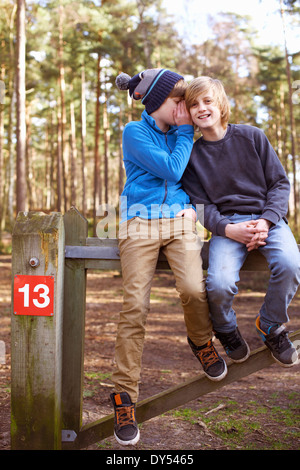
(238, 425)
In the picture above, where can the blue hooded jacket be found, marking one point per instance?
(154, 163)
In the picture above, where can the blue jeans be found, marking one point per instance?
(226, 258)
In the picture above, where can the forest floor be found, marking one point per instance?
(259, 412)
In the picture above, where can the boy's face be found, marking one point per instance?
(205, 112)
(166, 110)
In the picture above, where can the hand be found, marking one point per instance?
(190, 213)
(181, 114)
(252, 234)
(242, 232)
(262, 227)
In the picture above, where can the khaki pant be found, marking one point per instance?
(140, 241)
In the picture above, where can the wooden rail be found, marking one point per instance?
(176, 396)
(104, 254)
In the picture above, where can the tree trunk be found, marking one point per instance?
(106, 147)
(8, 190)
(59, 160)
(97, 177)
(29, 165)
(73, 154)
(21, 107)
(62, 88)
(47, 169)
(83, 140)
(143, 26)
(2, 76)
(292, 119)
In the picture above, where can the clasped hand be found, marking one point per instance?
(252, 233)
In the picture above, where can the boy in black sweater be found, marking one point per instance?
(235, 174)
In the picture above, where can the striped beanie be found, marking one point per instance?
(152, 86)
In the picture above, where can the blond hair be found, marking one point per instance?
(201, 86)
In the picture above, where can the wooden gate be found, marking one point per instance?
(48, 346)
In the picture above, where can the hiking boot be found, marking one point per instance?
(234, 345)
(213, 365)
(126, 429)
(282, 349)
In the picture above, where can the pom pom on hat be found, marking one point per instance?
(122, 81)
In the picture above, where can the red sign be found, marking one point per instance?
(34, 295)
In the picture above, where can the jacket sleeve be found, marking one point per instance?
(207, 212)
(139, 148)
(278, 186)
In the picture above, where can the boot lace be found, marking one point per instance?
(282, 342)
(125, 416)
(207, 356)
(230, 341)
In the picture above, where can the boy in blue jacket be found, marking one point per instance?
(156, 151)
(235, 173)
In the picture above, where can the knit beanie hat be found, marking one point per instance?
(152, 86)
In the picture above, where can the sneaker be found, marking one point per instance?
(126, 429)
(213, 365)
(234, 345)
(276, 339)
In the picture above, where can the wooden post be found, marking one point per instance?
(36, 328)
(76, 228)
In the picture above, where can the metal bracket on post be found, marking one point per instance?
(68, 436)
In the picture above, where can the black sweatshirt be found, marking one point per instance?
(240, 173)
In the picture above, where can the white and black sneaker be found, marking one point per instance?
(234, 345)
(126, 429)
(276, 339)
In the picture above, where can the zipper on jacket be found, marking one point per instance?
(166, 182)
(166, 192)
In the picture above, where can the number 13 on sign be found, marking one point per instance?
(33, 295)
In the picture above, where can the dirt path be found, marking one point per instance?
(258, 412)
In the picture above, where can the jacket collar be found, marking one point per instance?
(149, 119)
